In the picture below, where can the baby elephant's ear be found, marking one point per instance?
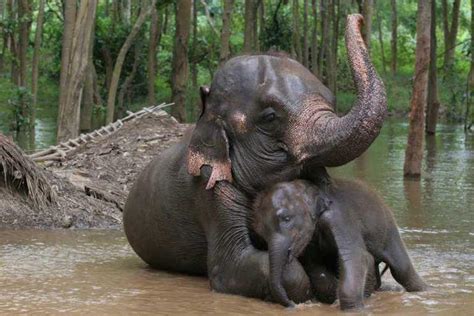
(322, 205)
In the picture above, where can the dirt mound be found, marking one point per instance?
(92, 184)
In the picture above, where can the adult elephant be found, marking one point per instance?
(264, 119)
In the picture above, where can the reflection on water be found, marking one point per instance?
(97, 272)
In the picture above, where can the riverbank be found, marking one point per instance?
(91, 184)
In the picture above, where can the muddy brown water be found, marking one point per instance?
(96, 271)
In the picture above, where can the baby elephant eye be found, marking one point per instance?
(285, 218)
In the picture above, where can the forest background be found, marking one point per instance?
(70, 66)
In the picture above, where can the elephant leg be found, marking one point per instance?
(235, 266)
(372, 282)
(353, 259)
(401, 267)
(378, 277)
(353, 269)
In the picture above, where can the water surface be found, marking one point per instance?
(97, 272)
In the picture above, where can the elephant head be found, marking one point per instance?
(286, 216)
(265, 117)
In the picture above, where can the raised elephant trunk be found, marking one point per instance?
(333, 140)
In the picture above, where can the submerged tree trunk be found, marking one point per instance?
(432, 106)
(450, 31)
(120, 60)
(225, 32)
(393, 43)
(470, 79)
(69, 109)
(180, 59)
(414, 151)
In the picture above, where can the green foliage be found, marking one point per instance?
(20, 108)
(275, 34)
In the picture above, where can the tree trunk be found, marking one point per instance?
(297, 50)
(2, 32)
(128, 82)
(382, 51)
(180, 59)
(12, 43)
(470, 79)
(155, 36)
(305, 35)
(194, 69)
(314, 39)
(450, 32)
(165, 23)
(261, 26)
(109, 66)
(120, 60)
(24, 16)
(414, 151)
(225, 32)
(393, 43)
(35, 67)
(367, 29)
(36, 55)
(331, 48)
(324, 39)
(432, 106)
(126, 12)
(255, 44)
(69, 21)
(250, 24)
(74, 73)
(87, 106)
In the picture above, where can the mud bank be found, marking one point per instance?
(89, 186)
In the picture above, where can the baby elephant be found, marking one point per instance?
(340, 236)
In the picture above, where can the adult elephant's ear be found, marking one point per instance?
(209, 145)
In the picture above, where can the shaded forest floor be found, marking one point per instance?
(92, 184)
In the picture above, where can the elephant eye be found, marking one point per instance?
(268, 115)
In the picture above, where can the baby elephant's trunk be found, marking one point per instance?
(279, 250)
